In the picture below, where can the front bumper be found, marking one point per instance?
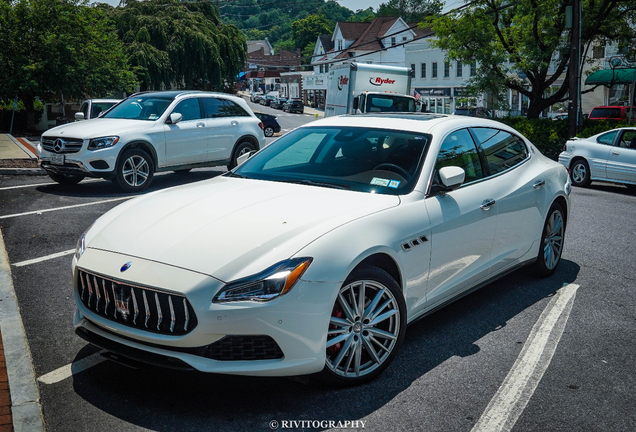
(296, 322)
(90, 163)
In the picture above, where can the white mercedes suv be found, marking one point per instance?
(150, 132)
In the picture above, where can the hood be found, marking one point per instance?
(98, 127)
(229, 228)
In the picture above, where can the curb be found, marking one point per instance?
(22, 147)
(23, 171)
(25, 397)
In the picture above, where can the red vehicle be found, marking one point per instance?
(611, 113)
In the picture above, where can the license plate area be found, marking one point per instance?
(57, 159)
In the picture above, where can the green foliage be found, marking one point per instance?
(411, 10)
(184, 44)
(593, 127)
(306, 30)
(527, 38)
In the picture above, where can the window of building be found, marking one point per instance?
(446, 69)
(434, 70)
(392, 41)
(339, 44)
(458, 71)
(322, 68)
(403, 38)
(473, 68)
(412, 70)
(423, 70)
(327, 67)
(598, 51)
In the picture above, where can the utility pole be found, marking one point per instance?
(573, 70)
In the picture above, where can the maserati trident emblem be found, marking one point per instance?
(58, 146)
(122, 298)
(125, 267)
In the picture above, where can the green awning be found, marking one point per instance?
(609, 77)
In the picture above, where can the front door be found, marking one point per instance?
(187, 140)
(621, 162)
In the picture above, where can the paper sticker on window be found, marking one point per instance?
(380, 182)
(394, 184)
(152, 116)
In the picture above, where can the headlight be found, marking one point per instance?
(103, 142)
(81, 244)
(276, 281)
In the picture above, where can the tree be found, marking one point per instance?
(306, 30)
(410, 10)
(55, 48)
(183, 44)
(524, 45)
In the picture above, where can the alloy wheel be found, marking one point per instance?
(579, 173)
(553, 242)
(135, 170)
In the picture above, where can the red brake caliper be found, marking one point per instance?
(337, 313)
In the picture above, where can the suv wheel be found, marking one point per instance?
(268, 131)
(67, 180)
(242, 148)
(135, 170)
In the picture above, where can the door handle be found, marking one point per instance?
(200, 124)
(487, 204)
(616, 153)
(234, 123)
(538, 183)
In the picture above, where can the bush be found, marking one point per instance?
(20, 117)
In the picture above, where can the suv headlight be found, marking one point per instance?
(81, 244)
(103, 142)
(267, 285)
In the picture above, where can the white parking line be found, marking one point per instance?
(44, 258)
(506, 406)
(65, 207)
(71, 369)
(42, 184)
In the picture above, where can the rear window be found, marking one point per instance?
(606, 113)
(502, 149)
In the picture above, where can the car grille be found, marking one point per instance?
(69, 145)
(243, 348)
(139, 307)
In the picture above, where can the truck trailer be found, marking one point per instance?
(356, 88)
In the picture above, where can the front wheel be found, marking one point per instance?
(552, 238)
(65, 179)
(240, 150)
(135, 170)
(580, 173)
(366, 328)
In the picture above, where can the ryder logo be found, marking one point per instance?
(377, 81)
(342, 81)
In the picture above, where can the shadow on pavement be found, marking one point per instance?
(161, 399)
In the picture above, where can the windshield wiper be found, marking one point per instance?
(322, 184)
(233, 174)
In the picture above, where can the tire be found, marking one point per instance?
(631, 188)
(551, 246)
(182, 171)
(135, 170)
(242, 148)
(580, 173)
(356, 357)
(66, 180)
(268, 131)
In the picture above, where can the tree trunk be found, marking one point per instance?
(28, 101)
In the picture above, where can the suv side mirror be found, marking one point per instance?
(79, 116)
(175, 118)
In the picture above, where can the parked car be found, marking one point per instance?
(92, 108)
(365, 224)
(270, 123)
(294, 106)
(278, 103)
(256, 97)
(611, 113)
(267, 100)
(150, 132)
(608, 156)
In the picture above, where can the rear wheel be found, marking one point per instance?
(135, 170)
(66, 179)
(552, 238)
(366, 329)
(242, 148)
(268, 131)
(580, 173)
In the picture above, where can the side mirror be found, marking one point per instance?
(79, 116)
(452, 177)
(356, 102)
(175, 118)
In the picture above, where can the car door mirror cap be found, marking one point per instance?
(79, 116)
(175, 118)
(452, 177)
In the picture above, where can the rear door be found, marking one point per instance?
(221, 128)
(621, 162)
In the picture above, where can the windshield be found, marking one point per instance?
(388, 103)
(361, 159)
(140, 107)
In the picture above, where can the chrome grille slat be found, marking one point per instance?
(122, 303)
(71, 145)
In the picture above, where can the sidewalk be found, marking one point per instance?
(18, 156)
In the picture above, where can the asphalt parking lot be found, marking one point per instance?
(453, 369)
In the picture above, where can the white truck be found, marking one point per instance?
(356, 88)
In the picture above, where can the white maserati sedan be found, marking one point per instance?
(608, 156)
(315, 254)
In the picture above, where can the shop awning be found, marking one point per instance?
(610, 77)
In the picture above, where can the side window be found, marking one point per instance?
(213, 107)
(458, 149)
(235, 110)
(502, 149)
(84, 109)
(189, 109)
(628, 140)
(607, 139)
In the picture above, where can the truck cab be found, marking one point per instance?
(383, 102)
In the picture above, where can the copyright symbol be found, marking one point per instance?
(273, 424)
